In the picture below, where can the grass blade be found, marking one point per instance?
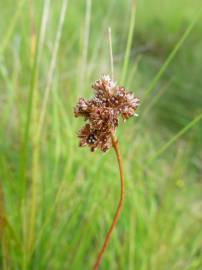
(129, 42)
(85, 44)
(52, 65)
(171, 56)
(11, 28)
(164, 147)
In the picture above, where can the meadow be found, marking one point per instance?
(57, 200)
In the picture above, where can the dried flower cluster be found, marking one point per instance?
(102, 113)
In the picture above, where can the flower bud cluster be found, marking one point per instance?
(102, 113)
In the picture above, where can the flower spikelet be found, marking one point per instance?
(102, 113)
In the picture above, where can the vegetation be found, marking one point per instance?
(57, 201)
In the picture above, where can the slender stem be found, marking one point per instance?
(120, 205)
(2, 213)
(111, 52)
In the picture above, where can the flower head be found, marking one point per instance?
(102, 113)
(94, 138)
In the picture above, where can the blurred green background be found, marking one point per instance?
(57, 200)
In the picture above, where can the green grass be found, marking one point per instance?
(59, 200)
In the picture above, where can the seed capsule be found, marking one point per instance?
(91, 139)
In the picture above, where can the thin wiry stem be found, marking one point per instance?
(85, 45)
(129, 41)
(111, 52)
(171, 55)
(120, 205)
(52, 66)
(2, 213)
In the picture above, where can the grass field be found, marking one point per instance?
(57, 200)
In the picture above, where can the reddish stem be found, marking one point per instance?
(120, 205)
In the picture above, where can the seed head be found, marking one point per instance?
(102, 113)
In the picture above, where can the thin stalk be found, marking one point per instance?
(36, 47)
(120, 205)
(164, 147)
(9, 32)
(111, 52)
(171, 56)
(85, 45)
(52, 66)
(2, 212)
(129, 41)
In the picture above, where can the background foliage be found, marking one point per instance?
(57, 201)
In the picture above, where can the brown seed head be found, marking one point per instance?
(102, 113)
